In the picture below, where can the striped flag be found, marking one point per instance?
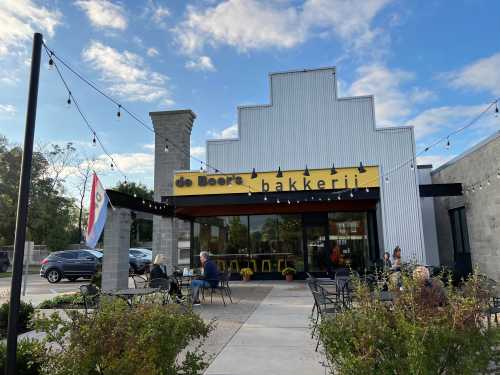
(97, 212)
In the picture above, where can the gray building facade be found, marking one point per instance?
(468, 227)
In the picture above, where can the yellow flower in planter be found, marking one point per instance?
(246, 273)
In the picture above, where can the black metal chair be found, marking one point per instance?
(224, 283)
(163, 286)
(327, 306)
(91, 296)
(214, 287)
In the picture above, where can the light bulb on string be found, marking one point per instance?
(166, 145)
(496, 109)
(125, 182)
(277, 200)
(94, 140)
(135, 195)
(68, 102)
(338, 197)
(201, 166)
(265, 197)
(249, 193)
(367, 189)
(412, 167)
(488, 182)
(112, 167)
(289, 201)
(351, 194)
(386, 179)
(498, 174)
(298, 202)
(143, 201)
(51, 61)
(480, 187)
(448, 144)
(119, 113)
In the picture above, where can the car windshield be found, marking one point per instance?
(95, 253)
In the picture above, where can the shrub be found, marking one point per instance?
(420, 333)
(23, 319)
(118, 339)
(29, 357)
(63, 301)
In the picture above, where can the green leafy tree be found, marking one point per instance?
(51, 215)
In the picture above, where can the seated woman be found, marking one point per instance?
(396, 257)
(158, 273)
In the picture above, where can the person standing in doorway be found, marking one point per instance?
(210, 278)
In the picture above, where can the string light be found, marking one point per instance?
(448, 145)
(249, 193)
(68, 102)
(279, 174)
(135, 195)
(166, 145)
(367, 189)
(94, 140)
(265, 197)
(306, 171)
(254, 174)
(496, 109)
(289, 201)
(351, 195)
(53, 56)
(277, 200)
(51, 61)
(412, 167)
(386, 179)
(361, 168)
(112, 167)
(201, 166)
(119, 113)
(143, 201)
(338, 197)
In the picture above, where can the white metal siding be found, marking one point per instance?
(307, 124)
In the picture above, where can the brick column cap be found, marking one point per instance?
(170, 113)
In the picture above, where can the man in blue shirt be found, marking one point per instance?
(210, 278)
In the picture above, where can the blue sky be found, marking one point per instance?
(431, 64)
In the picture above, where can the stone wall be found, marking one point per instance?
(174, 126)
(482, 207)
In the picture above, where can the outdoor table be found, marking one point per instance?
(129, 293)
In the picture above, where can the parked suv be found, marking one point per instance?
(4, 261)
(69, 264)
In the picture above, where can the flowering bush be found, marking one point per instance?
(246, 272)
(427, 329)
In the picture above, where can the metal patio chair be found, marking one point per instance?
(327, 307)
(91, 296)
(218, 287)
(163, 286)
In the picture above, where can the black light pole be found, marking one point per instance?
(22, 207)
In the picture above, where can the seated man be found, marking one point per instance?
(431, 293)
(210, 278)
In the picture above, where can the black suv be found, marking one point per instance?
(69, 264)
(4, 261)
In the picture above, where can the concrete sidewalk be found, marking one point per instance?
(275, 339)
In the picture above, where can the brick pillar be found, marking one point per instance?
(116, 244)
(176, 127)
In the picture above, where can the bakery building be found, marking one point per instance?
(310, 182)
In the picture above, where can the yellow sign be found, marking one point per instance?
(199, 183)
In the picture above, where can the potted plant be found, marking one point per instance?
(246, 273)
(288, 272)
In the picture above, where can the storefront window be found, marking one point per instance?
(348, 239)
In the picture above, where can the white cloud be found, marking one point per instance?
(19, 19)
(149, 146)
(203, 63)
(127, 74)
(435, 160)
(392, 103)
(228, 133)
(104, 13)
(198, 152)
(256, 24)
(436, 119)
(160, 12)
(129, 163)
(7, 110)
(483, 74)
(152, 52)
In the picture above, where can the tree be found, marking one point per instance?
(141, 226)
(51, 215)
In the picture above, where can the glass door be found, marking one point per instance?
(316, 242)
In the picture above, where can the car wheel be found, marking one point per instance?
(72, 278)
(53, 276)
(4, 267)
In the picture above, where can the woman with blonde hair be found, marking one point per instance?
(159, 273)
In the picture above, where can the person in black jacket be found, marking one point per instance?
(210, 278)
(158, 272)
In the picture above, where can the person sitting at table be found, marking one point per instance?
(396, 259)
(431, 291)
(159, 272)
(210, 278)
(386, 261)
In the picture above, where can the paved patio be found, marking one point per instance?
(266, 331)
